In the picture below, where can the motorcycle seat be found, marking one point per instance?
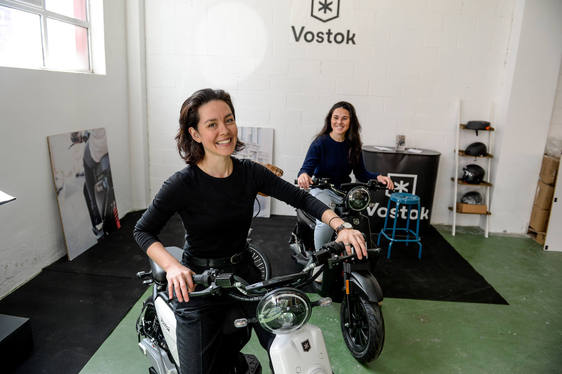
(159, 274)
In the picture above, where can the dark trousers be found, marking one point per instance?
(207, 340)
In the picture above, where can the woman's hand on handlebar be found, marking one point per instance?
(179, 282)
(353, 238)
(304, 180)
(386, 181)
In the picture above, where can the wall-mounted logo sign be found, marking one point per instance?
(324, 11)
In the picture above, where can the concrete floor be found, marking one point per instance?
(429, 336)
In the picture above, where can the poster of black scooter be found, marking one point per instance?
(84, 187)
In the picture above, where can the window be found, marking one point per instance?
(49, 34)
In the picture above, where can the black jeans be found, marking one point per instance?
(207, 340)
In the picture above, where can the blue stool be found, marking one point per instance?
(408, 200)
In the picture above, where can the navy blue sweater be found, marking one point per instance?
(327, 158)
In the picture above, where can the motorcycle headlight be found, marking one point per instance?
(358, 198)
(283, 310)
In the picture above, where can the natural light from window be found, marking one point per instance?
(59, 35)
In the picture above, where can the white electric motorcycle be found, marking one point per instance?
(283, 309)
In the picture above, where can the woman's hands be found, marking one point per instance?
(386, 181)
(351, 237)
(179, 281)
(178, 276)
(304, 180)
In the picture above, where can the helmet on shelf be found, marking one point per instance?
(472, 197)
(477, 125)
(476, 149)
(473, 174)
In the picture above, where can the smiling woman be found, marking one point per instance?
(334, 153)
(214, 196)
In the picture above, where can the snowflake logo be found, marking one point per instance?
(401, 186)
(403, 183)
(325, 6)
(325, 10)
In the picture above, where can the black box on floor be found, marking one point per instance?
(16, 341)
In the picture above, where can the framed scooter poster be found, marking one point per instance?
(84, 187)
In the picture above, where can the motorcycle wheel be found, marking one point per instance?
(261, 262)
(364, 334)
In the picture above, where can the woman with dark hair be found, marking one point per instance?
(334, 154)
(214, 196)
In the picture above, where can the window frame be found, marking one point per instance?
(45, 14)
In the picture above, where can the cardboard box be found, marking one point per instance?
(471, 208)
(539, 219)
(539, 237)
(543, 195)
(549, 169)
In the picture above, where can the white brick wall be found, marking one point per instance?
(555, 130)
(412, 61)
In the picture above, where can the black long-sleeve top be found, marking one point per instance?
(217, 212)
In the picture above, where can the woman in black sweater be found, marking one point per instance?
(214, 196)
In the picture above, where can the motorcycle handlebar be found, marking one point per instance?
(324, 183)
(217, 282)
(202, 278)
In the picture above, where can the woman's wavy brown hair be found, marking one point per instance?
(191, 151)
(352, 135)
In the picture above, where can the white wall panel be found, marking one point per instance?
(411, 62)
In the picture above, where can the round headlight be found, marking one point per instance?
(358, 198)
(283, 310)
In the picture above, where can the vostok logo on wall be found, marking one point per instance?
(324, 11)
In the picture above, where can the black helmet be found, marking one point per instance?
(472, 197)
(476, 149)
(478, 125)
(473, 174)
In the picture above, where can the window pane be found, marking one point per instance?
(69, 8)
(34, 2)
(20, 39)
(67, 46)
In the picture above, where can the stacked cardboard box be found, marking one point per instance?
(538, 222)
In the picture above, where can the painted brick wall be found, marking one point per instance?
(411, 62)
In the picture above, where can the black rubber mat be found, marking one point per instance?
(442, 273)
(74, 306)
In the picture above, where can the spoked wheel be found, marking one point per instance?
(364, 332)
(261, 262)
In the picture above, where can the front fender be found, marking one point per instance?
(367, 284)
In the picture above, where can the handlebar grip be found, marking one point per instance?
(334, 247)
(200, 278)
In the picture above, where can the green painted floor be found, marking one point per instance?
(428, 336)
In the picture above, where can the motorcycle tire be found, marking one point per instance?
(261, 262)
(364, 334)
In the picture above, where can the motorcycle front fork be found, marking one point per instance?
(346, 282)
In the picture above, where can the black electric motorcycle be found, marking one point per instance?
(351, 283)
